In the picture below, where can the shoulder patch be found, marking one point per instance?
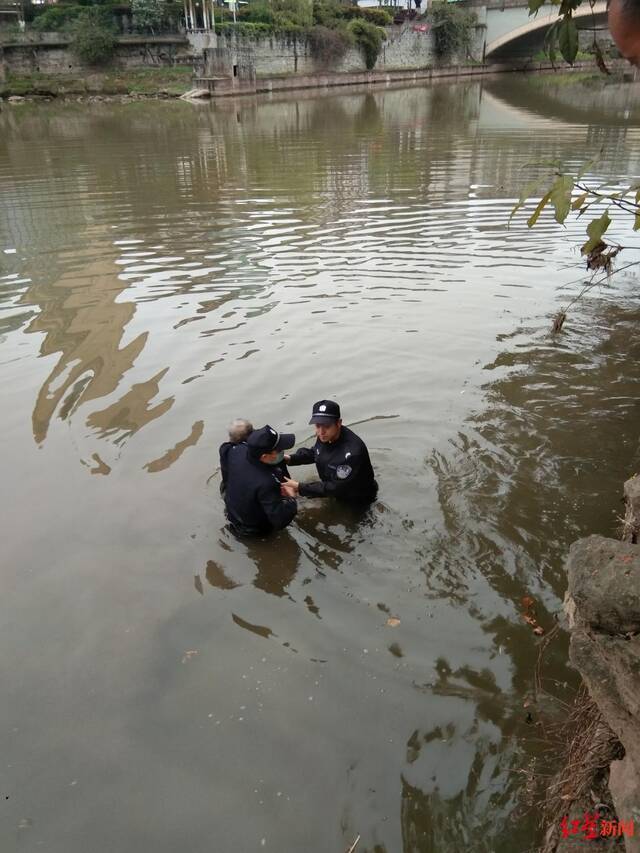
(343, 471)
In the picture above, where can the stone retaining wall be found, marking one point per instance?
(273, 55)
(51, 54)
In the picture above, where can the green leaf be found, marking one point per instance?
(568, 39)
(534, 5)
(567, 6)
(586, 167)
(527, 191)
(577, 203)
(560, 197)
(551, 40)
(636, 222)
(595, 230)
(531, 221)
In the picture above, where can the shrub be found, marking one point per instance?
(292, 14)
(55, 18)
(452, 28)
(93, 36)
(369, 39)
(247, 28)
(258, 12)
(327, 13)
(328, 46)
(149, 14)
(379, 17)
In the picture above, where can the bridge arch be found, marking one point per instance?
(538, 22)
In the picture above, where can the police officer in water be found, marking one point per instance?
(254, 474)
(341, 457)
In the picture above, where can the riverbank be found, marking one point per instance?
(175, 81)
(164, 82)
(225, 86)
(602, 754)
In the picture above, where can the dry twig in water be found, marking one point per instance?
(354, 845)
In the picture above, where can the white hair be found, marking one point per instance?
(239, 430)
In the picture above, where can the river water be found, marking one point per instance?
(166, 268)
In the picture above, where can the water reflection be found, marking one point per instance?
(287, 207)
(84, 324)
(164, 267)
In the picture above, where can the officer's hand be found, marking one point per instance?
(289, 488)
(287, 457)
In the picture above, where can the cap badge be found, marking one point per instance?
(322, 408)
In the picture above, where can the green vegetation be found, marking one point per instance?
(56, 18)
(156, 15)
(148, 15)
(453, 29)
(245, 28)
(173, 81)
(369, 39)
(149, 81)
(562, 35)
(572, 194)
(331, 25)
(93, 36)
(328, 46)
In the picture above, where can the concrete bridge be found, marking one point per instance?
(510, 31)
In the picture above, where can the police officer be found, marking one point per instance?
(341, 457)
(253, 500)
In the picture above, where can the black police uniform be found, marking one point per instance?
(343, 465)
(252, 496)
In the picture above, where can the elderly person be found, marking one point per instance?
(239, 431)
(254, 476)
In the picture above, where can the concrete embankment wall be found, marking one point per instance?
(50, 54)
(406, 47)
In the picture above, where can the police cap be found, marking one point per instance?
(267, 439)
(325, 411)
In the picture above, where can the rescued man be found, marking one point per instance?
(341, 457)
(239, 431)
(253, 500)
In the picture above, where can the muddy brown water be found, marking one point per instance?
(166, 268)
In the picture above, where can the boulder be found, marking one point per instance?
(623, 776)
(603, 608)
(604, 585)
(631, 530)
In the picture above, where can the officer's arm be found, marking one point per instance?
(304, 456)
(280, 511)
(338, 485)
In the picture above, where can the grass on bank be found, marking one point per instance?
(172, 81)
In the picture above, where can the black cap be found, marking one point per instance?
(325, 411)
(266, 439)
